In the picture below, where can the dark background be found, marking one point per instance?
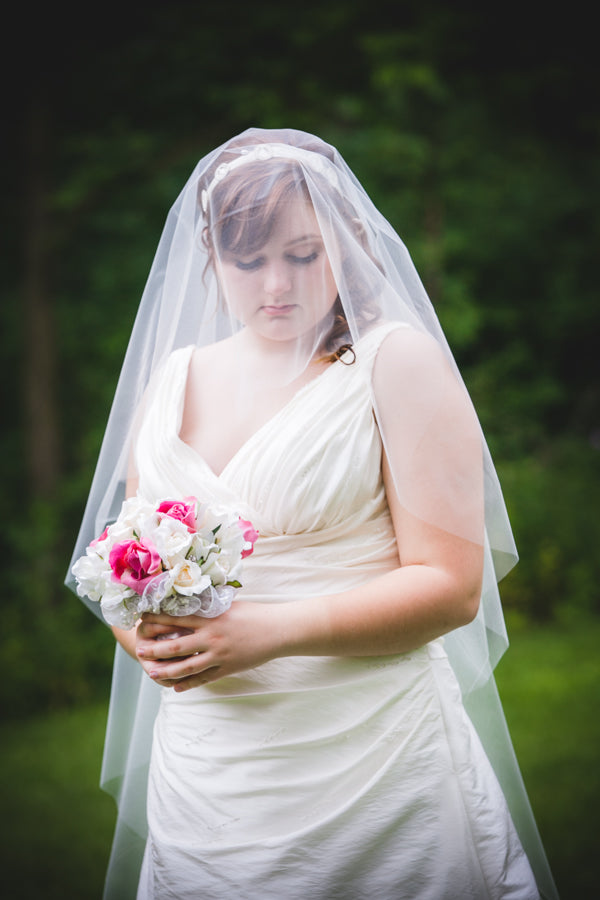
(475, 129)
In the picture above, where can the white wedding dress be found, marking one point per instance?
(321, 778)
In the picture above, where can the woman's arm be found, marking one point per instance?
(435, 589)
(392, 613)
(127, 639)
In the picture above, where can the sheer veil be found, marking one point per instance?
(440, 463)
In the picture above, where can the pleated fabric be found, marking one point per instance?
(321, 777)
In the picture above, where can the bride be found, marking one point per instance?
(314, 739)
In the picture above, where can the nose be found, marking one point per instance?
(277, 279)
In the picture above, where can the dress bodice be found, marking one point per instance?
(314, 465)
(309, 479)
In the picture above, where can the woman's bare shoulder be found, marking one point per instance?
(405, 352)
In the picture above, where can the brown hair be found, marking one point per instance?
(248, 201)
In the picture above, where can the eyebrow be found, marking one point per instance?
(305, 237)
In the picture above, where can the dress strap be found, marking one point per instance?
(367, 347)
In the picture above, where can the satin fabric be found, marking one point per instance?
(316, 777)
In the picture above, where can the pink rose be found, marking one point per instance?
(135, 564)
(182, 510)
(102, 537)
(250, 536)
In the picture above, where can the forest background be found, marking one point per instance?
(474, 127)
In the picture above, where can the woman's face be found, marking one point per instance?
(285, 289)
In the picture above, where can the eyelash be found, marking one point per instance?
(295, 260)
(304, 260)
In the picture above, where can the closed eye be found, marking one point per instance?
(293, 258)
(249, 266)
(302, 260)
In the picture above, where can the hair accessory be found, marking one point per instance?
(264, 152)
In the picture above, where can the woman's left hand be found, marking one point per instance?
(205, 650)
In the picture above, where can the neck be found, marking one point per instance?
(277, 362)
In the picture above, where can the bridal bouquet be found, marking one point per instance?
(179, 557)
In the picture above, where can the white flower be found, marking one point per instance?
(134, 510)
(230, 536)
(89, 571)
(214, 519)
(171, 538)
(202, 546)
(222, 566)
(189, 578)
(134, 513)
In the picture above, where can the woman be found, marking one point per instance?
(312, 740)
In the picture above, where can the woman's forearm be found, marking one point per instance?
(436, 590)
(394, 613)
(126, 639)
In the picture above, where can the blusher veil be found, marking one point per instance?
(453, 487)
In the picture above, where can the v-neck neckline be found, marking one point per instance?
(261, 428)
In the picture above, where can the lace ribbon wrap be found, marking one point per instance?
(210, 603)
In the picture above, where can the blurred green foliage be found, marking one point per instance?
(553, 501)
(476, 134)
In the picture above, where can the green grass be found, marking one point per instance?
(549, 682)
(57, 825)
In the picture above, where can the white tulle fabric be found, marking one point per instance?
(316, 777)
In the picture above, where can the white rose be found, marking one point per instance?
(134, 512)
(89, 571)
(171, 538)
(188, 578)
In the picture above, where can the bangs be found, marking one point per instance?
(251, 204)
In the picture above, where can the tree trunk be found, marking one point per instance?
(39, 351)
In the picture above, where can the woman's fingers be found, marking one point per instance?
(212, 674)
(205, 649)
(163, 637)
(168, 647)
(187, 672)
(189, 622)
(150, 630)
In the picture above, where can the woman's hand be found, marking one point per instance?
(204, 650)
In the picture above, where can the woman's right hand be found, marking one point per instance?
(158, 632)
(131, 638)
(207, 649)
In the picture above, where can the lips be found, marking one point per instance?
(279, 310)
